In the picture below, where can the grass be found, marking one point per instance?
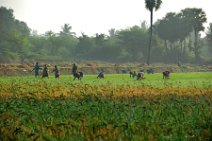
(192, 80)
(114, 108)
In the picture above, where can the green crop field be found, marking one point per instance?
(114, 108)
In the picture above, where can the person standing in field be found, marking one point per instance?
(166, 74)
(56, 72)
(74, 69)
(36, 69)
(45, 71)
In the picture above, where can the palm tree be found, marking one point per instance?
(209, 36)
(196, 18)
(209, 33)
(49, 33)
(66, 30)
(112, 32)
(151, 5)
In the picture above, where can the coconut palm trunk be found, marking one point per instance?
(150, 38)
(151, 5)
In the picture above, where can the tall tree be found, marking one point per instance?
(133, 42)
(49, 33)
(6, 20)
(209, 37)
(14, 43)
(196, 17)
(66, 30)
(151, 5)
(84, 47)
(99, 39)
(173, 28)
(112, 32)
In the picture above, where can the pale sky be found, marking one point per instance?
(94, 16)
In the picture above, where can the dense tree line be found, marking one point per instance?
(174, 39)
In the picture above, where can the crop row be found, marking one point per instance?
(77, 91)
(169, 117)
(50, 111)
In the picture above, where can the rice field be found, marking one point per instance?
(116, 108)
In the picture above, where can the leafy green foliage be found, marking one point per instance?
(196, 18)
(21, 45)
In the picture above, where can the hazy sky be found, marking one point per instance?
(94, 16)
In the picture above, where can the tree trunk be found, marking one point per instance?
(184, 50)
(196, 52)
(150, 38)
(166, 47)
(179, 56)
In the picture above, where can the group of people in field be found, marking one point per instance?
(76, 74)
(45, 71)
(140, 75)
(79, 74)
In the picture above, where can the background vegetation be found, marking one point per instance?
(175, 39)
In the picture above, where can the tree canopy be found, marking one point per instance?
(173, 40)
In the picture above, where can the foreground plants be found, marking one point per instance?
(78, 111)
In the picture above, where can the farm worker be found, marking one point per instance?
(45, 71)
(56, 71)
(134, 74)
(78, 75)
(36, 69)
(140, 75)
(101, 75)
(74, 69)
(166, 74)
(131, 74)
